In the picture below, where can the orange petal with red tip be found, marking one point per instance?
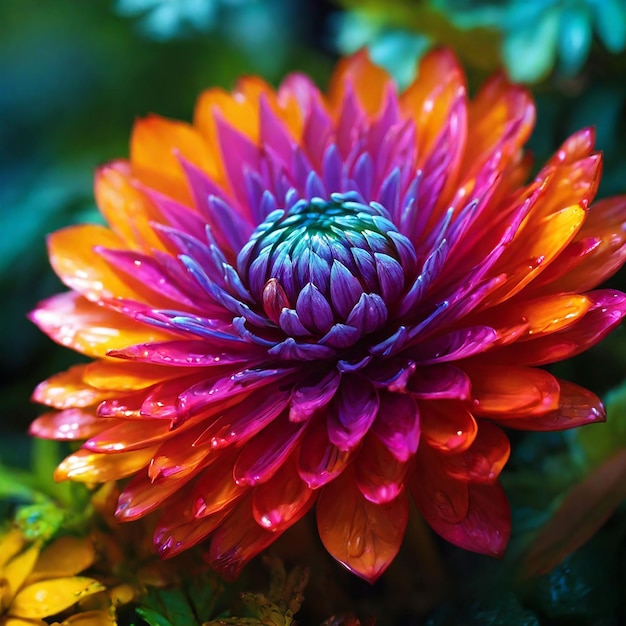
(281, 501)
(484, 459)
(125, 208)
(364, 537)
(577, 406)
(438, 495)
(68, 425)
(74, 322)
(69, 390)
(76, 263)
(379, 474)
(512, 391)
(237, 540)
(130, 435)
(94, 467)
(155, 147)
(575, 147)
(370, 82)
(447, 426)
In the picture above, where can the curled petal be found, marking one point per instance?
(439, 382)
(397, 424)
(447, 426)
(364, 537)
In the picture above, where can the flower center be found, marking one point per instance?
(340, 249)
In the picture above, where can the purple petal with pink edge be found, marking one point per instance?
(206, 392)
(238, 155)
(440, 382)
(312, 395)
(261, 457)
(399, 147)
(273, 132)
(190, 353)
(389, 194)
(227, 224)
(313, 309)
(352, 411)
(363, 175)
(387, 117)
(245, 419)
(177, 215)
(147, 270)
(369, 313)
(397, 424)
(317, 133)
(345, 289)
(320, 461)
(454, 345)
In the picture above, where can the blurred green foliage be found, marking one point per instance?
(75, 75)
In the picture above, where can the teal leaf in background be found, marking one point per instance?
(610, 18)
(574, 40)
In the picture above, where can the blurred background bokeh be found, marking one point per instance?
(75, 74)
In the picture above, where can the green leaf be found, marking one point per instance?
(153, 618)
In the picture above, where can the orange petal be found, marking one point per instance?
(75, 262)
(16, 571)
(429, 101)
(69, 390)
(447, 426)
(125, 208)
(512, 391)
(68, 425)
(76, 323)
(484, 459)
(155, 147)
(118, 375)
(283, 499)
(94, 467)
(370, 82)
(364, 537)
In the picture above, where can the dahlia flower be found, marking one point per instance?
(329, 300)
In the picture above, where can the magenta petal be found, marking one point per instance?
(313, 395)
(397, 424)
(352, 411)
(261, 457)
(455, 345)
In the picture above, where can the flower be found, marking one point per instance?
(35, 584)
(336, 300)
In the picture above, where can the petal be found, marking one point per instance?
(68, 389)
(16, 571)
(484, 459)
(312, 395)
(364, 537)
(68, 425)
(320, 461)
(397, 424)
(125, 208)
(281, 501)
(109, 374)
(577, 406)
(76, 323)
(66, 556)
(447, 426)
(237, 540)
(76, 262)
(370, 82)
(352, 411)
(439, 382)
(94, 467)
(49, 597)
(264, 454)
(510, 391)
(379, 474)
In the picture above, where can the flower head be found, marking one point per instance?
(336, 300)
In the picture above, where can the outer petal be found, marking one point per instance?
(76, 323)
(66, 556)
(94, 467)
(68, 425)
(364, 537)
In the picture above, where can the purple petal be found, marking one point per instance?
(369, 313)
(292, 350)
(345, 289)
(440, 382)
(341, 336)
(390, 276)
(454, 345)
(313, 395)
(313, 310)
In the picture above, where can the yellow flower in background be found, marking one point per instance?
(36, 584)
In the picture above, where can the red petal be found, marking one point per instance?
(364, 537)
